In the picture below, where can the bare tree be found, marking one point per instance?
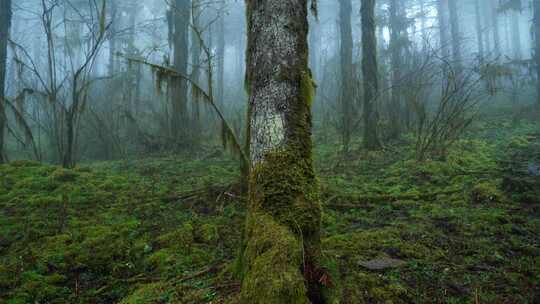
(64, 88)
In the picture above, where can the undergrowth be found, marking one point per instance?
(166, 230)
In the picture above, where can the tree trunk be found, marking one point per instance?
(370, 72)
(181, 11)
(280, 260)
(396, 45)
(495, 29)
(516, 36)
(487, 33)
(5, 23)
(479, 30)
(346, 49)
(67, 160)
(112, 38)
(423, 22)
(221, 57)
(536, 29)
(454, 30)
(443, 27)
(196, 67)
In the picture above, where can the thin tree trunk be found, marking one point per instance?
(479, 30)
(370, 72)
(443, 27)
(423, 22)
(67, 160)
(488, 30)
(536, 29)
(396, 63)
(516, 36)
(280, 260)
(454, 30)
(346, 49)
(196, 67)
(495, 29)
(5, 23)
(221, 57)
(112, 38)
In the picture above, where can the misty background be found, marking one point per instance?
(125, 104)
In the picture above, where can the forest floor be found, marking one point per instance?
(167, 229)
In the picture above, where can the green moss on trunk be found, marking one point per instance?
(281, 258)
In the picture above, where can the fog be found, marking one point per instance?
(121, 94)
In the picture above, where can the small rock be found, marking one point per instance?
(533, 169)
(381, 263)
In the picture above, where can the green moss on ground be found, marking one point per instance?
(166, 230)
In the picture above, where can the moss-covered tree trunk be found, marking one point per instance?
(5, 23)
(370, 72)
(280, 259)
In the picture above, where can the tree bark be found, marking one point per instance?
(479, 30)
(443, 27)
(5, 23)
(536, 29)
(346, 49)
(516, 36)
(495, 29)
(181, 11)
(454, 30)
(423, 22)
(370, 73)
(221, 57)
(281, 255)
(396, 46)
(112, 37)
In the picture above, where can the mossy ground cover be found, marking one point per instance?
(167, 230)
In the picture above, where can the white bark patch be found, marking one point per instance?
(268, 124)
